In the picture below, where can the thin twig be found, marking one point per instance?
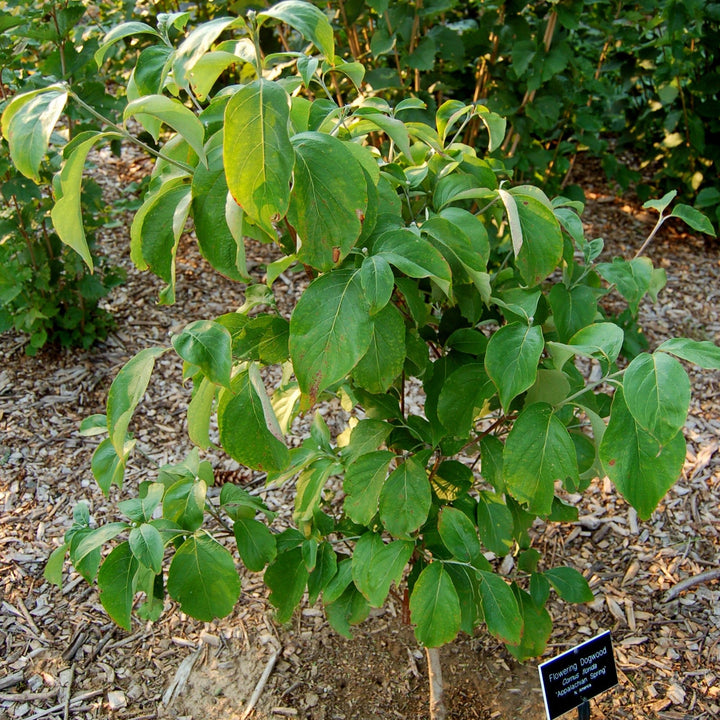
(68, 693)
(260, 685)
(650, 237)
(683, 585)
(56, 708)
(28, 696)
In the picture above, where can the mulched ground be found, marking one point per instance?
(655, 583)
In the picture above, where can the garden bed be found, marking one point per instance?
(60, 650)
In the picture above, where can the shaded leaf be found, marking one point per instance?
(538, 451)
(330, 330)
(256, 544)
(203, 579)
(435, 607)
(287, 578)
(405, 499)
(641, 469)
(376, 566)
(208, 345)
(116, 584)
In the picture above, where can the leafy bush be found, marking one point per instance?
(426, 270)
(46, 291)
(573, 76)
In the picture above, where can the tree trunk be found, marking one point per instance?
(438, 710)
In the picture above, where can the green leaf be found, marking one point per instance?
(184, 503)
(452, 480)
(310, 485)
(208, 345)
(117, 585)
(126, 392)
(435, 607)
(119, 32)
(95, 539)
(287, 577)
(93, 425)
(330, 330)
(641, 469)
(27, 123)
(219, 244)
(657, 393)
(199, 413)
(700, 352)
(569, 584)
(539, 588)
(351, 608)
(462, 397)
(384, 360)
(512, 357)
(150, 71)
(538, 451)
(205, 72)
(66, 214)
(466, 584)
(173, 113)
(632, 278)
(339, 582)
(366, 436)
(536, 234)
(256, 544)
(394, 129)
(54, 565)
(88, 566)
(328, 201)
(495, 523)
(263, 338)
(308, 20)
(156, 230)
(458, 534)
(405, 499)
(537, 626)
(572, 308)
(363, 482)
(500, 608)
(141, 509)
(599, 339)
(466, 252)
(491, 467)
(324, 572)
(203, 579)
(196, 44)
(147, 546)
(551, 386)
(662, 203)
(239, 503)
(495, 125)
(376, 566)
(257, 152)
(248, 427)
(414, 256)
(108, 468)
(378, 282)
(694, 218)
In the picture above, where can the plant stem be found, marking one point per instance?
(650, 237)
(591, 386)
(438, 711)
(129, 136)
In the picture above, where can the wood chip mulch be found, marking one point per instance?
(656, 583)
